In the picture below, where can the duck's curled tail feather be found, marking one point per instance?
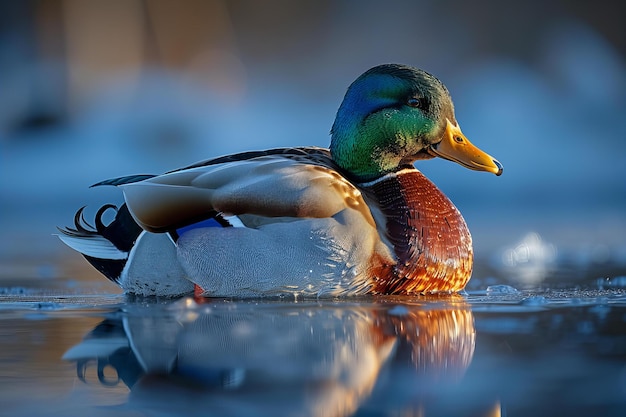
(106, 247)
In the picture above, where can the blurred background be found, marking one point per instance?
(94, 89)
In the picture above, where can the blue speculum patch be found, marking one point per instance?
(204, 223)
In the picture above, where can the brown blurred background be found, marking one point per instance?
(57, 55)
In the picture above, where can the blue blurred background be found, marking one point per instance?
(96, 89)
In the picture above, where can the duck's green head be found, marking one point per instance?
(393, 115)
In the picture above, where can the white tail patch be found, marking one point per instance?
(95, 246)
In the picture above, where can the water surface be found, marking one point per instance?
(491, 352)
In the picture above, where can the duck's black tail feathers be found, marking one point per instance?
(106, 247)
(129, 179)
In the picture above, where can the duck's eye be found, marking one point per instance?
(415, 102)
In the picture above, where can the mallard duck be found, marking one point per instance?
(357, 218)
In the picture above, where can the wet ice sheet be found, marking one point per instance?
(519, 353)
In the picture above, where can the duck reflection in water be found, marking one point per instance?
(273, 358)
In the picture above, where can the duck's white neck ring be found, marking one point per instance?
(387, 176)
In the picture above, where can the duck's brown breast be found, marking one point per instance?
(430, 239)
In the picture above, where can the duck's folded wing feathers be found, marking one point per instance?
(269, 185)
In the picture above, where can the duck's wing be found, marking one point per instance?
(295, 182)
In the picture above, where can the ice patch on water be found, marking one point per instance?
(502, 290)
(530, 260)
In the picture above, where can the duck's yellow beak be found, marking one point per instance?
(455, 147)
